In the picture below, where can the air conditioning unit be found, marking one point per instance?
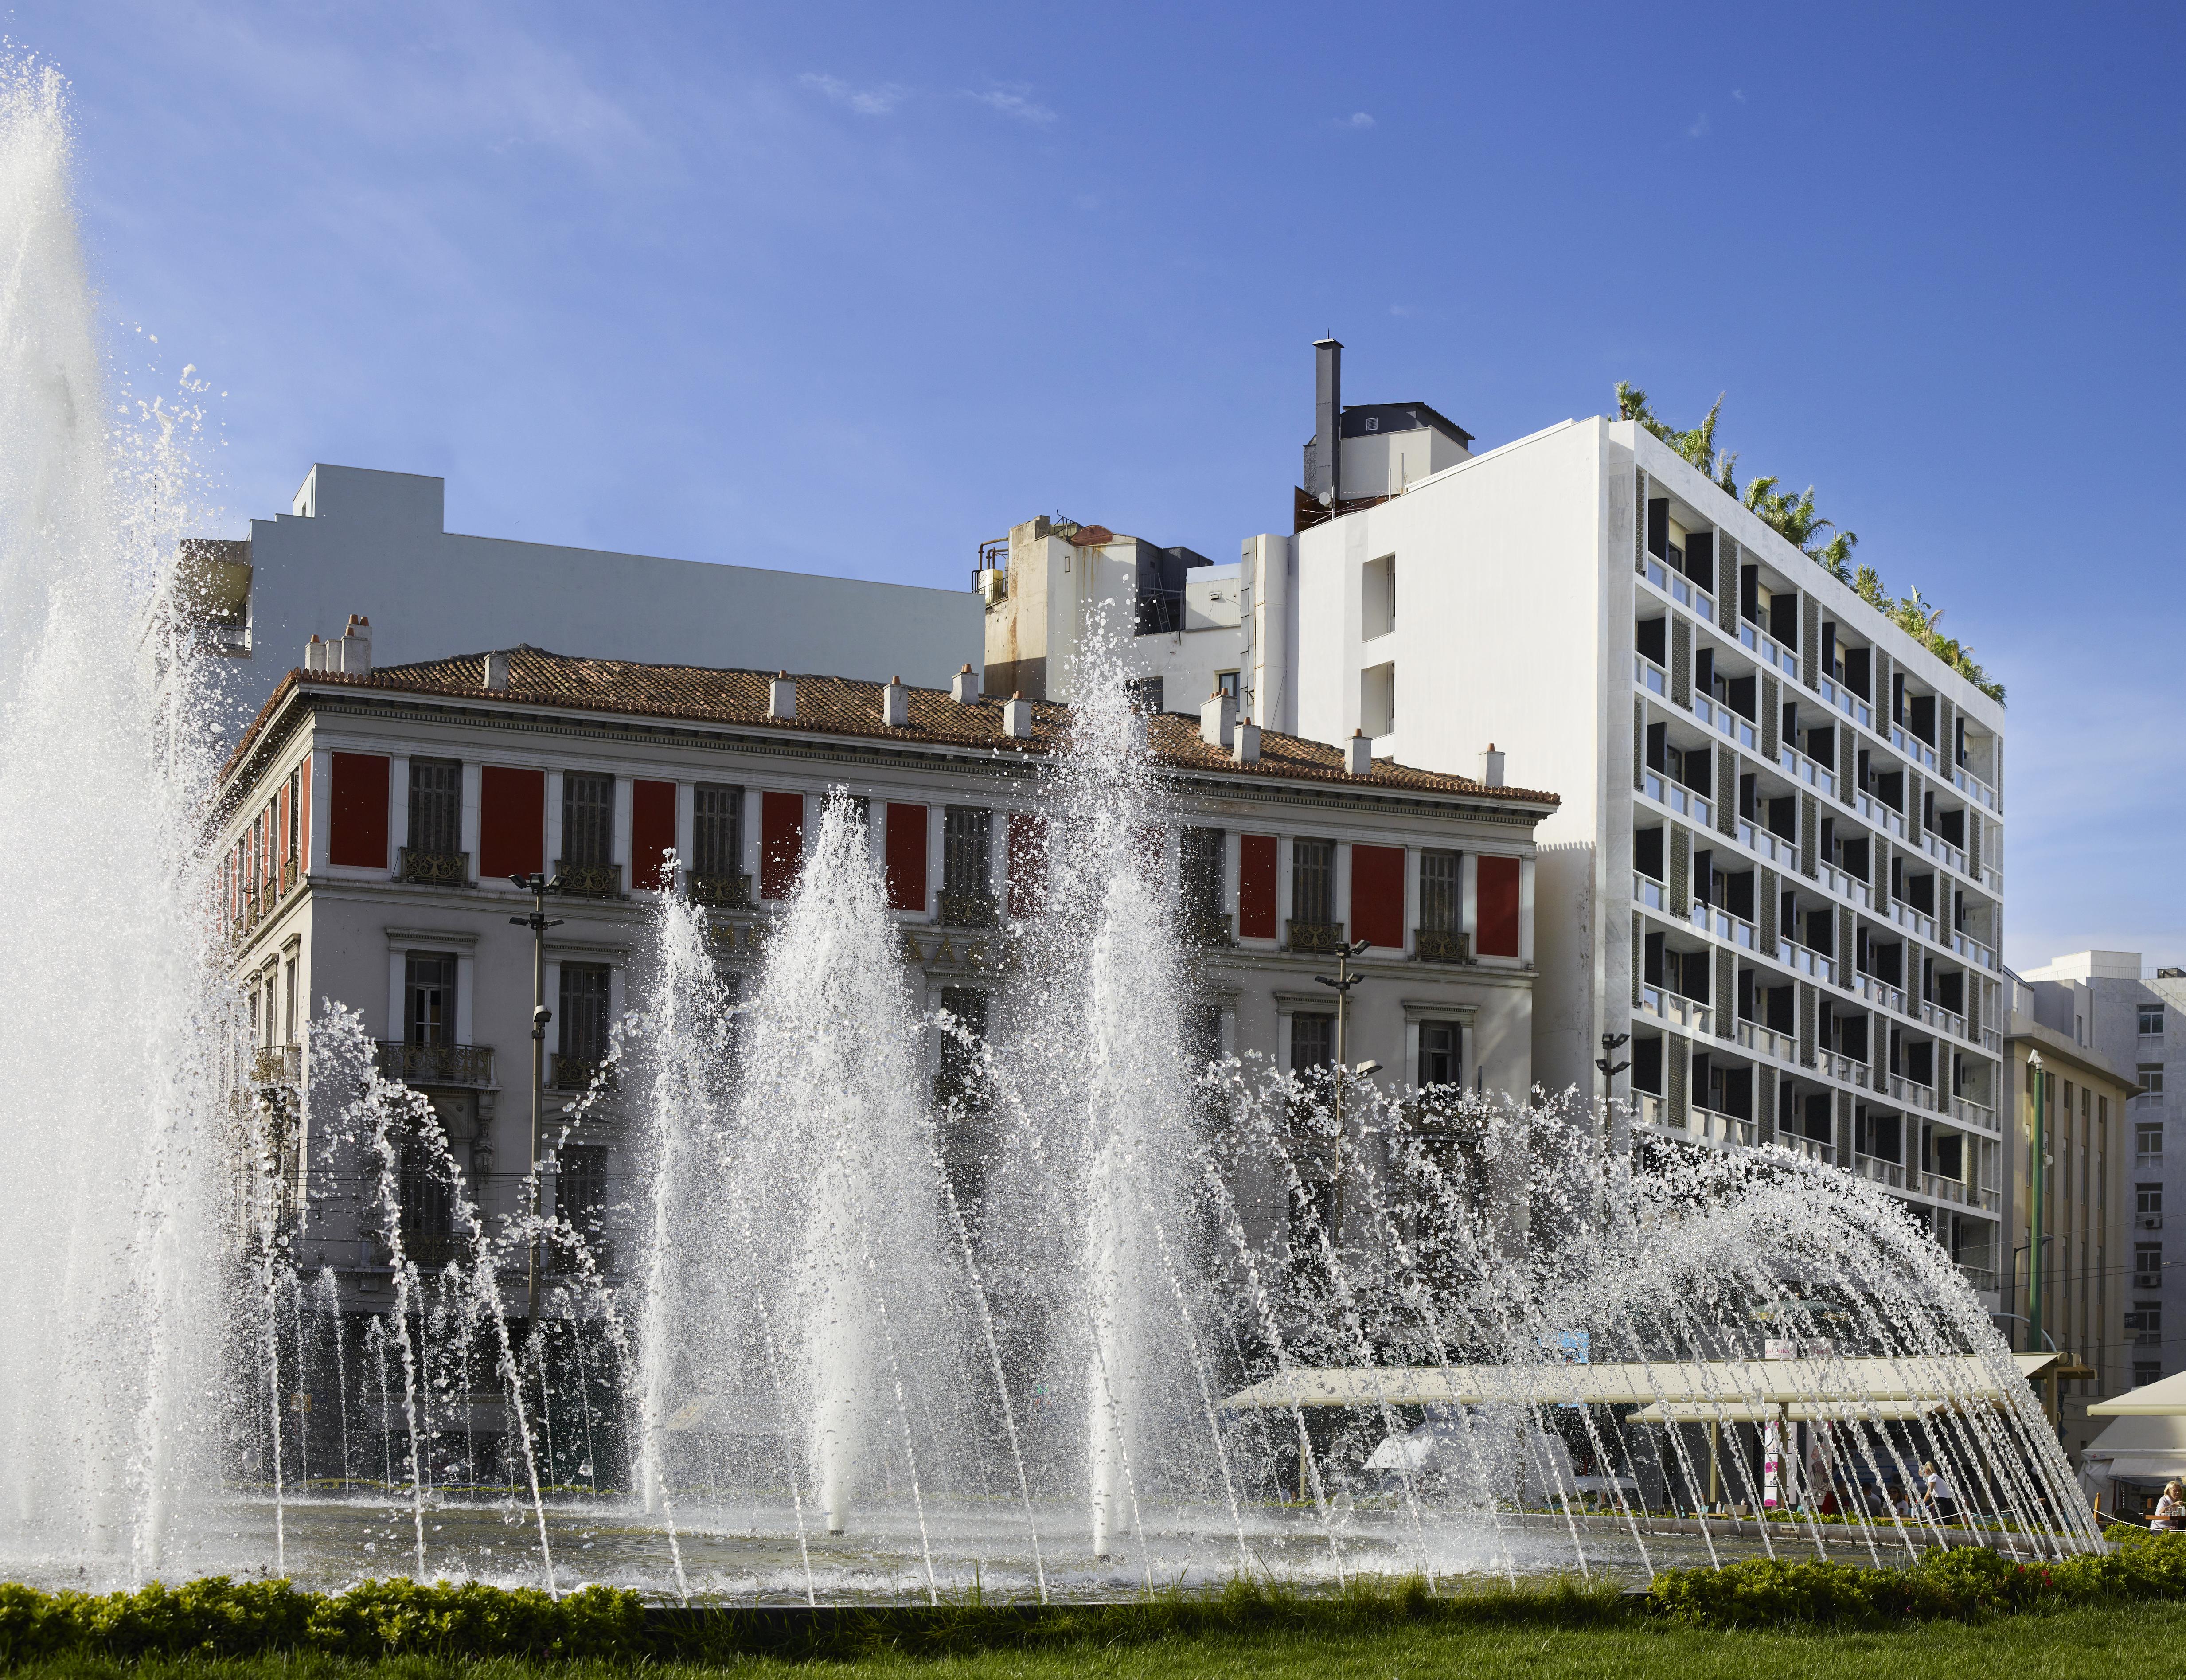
(2148, 1221)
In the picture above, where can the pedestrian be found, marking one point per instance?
(2170, 1510)
(1942, 1501)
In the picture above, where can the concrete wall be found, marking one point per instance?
(374, 543)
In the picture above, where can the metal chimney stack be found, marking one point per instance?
(1327, 478)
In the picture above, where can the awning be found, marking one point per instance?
(2166, 1398)
(2146, 1448)
(1709, 1383)
(1800, 1411)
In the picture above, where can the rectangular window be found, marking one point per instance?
(1144, 693)
(905, 847)
(436, 805)
(1313, 1041)
(1313, 881)
(967, 850)
(580, 1188)
(295, 812)
(1377, 699)
(1200, 857)
(428, 991)
(288, 1023)
(584, 1012)
(588, 820)
(2151, 1021)
(781, 843)
(358, 838)
(2151, 1078)
(1498, 883)
(1441, 1042)
(1377, 604)
(2146, 1371)
(1225, 682)
(1441, 891)
(2148, 1139)
(2146, 1323)
(1257, 876)
(2147, 1265)
(959, 1046)
(427, 1205)
(652, 833)
(1377, 895)
(511, 822)
(2148, 1198)
(717, 830)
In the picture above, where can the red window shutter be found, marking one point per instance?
(1256, 886)
(1377, 896)
(511, 822)
(304, 826)
(781, 843)
(1028, 862)
(652, 831)
(284, 817)
(1498, 922)
(358, 838)
(906, 858)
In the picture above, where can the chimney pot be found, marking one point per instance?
(497, 671)
(1245, 742)
(964, 687)
(356, 646)
(1218, 719)
(896, 704)
(781, 697)
(1491, 767)
(1016, 717)
(1359, 754)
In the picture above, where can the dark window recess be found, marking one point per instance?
(1858, 671)
(1200, 872)
(1952, 826)
(1821, 931)
(1790, 722)
(960, 1056)
(1738, 693)
(1657, 749)
(1749, 593)
(1652, 638)
(436, 804)
(1891, 790)
(1920, 717)
(1144, 693)
(1898, 696)
(1692, 974)
(1650, 969)
(429, 999)
(1658, 527)
(1313, 881)
(1951, 991)
(1736, 1092)
(1704, 671)
(1738, 895)
(1830, 665)
(1440, 1044)
(1851, 1036)
(1780, 1002)
(1647, 1065)
(1920, 894)
(1704, 877)
(1822, 746)
(1817, 1107)
(580, 1188)
(1783, 618)
(1441, 891)
(967, 850)
(427, 1205)
(1698, 770)
(1749, 806)
(717, 830)
(1745, 1006)
(1784, 818)
(1647, 852)
(1313, 1041)
(1700, 558)
(1855, 858)
(584, 1012)
(1950, 1155)
(588, 820)
(1878, 1134)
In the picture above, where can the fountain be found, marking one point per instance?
(1093, 1308)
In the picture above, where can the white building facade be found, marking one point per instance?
(372, 818)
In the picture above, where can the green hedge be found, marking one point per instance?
(218, 1617)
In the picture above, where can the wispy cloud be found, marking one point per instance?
(1016, 102)
(1699, 129)
(1356, 119)
(877, 101)
(1403, 311)
(1738, 94)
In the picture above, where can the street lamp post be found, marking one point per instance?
(2037, 1172)
(1342, 983)
(539, 886)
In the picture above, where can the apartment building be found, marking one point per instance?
(2132, 1016)
(352, 535)
(1777, 863)
(2094, 1283)
(373, 816)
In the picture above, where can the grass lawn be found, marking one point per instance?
(2128, 1639)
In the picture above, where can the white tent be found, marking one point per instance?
(2164, 1399)
(2140, 1447)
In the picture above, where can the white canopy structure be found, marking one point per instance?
(2139, 1448)
(1707, 1389)
(2164, 1399)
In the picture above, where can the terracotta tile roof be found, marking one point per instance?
(839, 706)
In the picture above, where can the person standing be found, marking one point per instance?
(1942, 1501)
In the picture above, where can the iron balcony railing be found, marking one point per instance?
(720, 891)
(589, 881)
(435, 1064)
(578, 1072)
(1431, 945)
(1316, 938)
(967, 910)
(1201, 928)
(277, 1065)
(434, 869)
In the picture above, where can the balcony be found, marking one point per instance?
(579, 1073)
(1910, 1092)
(967, 910)
(1679, 798)
(1649, 1109)
(277, 1065)
(1913, 921)
(1649, 891)
(1882, 1172)
(588, 881)
(1880, 992)
(470, 1065)
(1204, 930)
(1800, 958)
(720, 891)
(1764, 648)
(287, 876)
(1981, 1279)
(1809, 1147)
(1967, 1111)
(1431, 945)
(1773, 847)
(430, 1251)
(1843, 885)
(1721, 923)
(1801, 768)
(1847, 702)
(1911, 746)
(1729, 723)
(1974, 788)
(1881, 816)
(1314, 939)
(1765, 1041)
(1727, 1130)
(1678, 1011)
(1943, 852)
(1838, 1066)
(1650, 675)
(1942, 1019)
(1680, 589)
(415, 868)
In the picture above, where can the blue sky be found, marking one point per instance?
(849, 289)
